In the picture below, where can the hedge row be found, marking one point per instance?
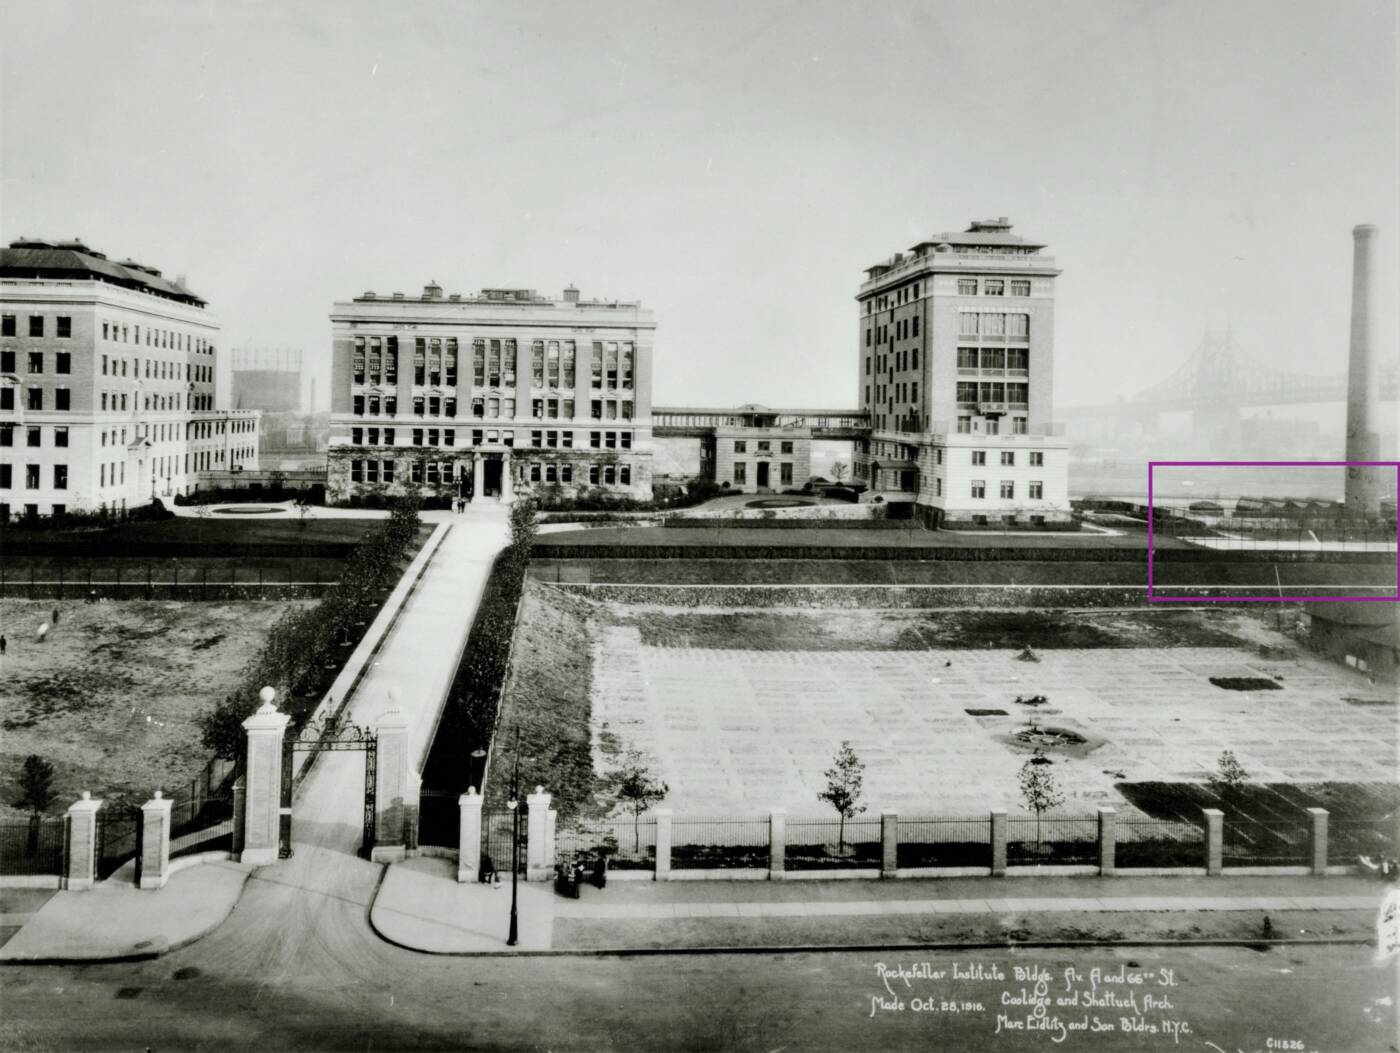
(109, 548)
(306, 649)
(473, 701)
(699, 523)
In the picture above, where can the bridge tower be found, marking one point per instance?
(1363, 490)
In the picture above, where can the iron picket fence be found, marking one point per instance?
(628, 842)
(1145, 842)
(1052, 840)
(1350, 839)
(945, 841)
(33, 845)
(496, 838)
(712, 844)
(1264, 842)
(201, 824)
(821, 844)
(118, 839)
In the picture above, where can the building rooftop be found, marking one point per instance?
(433, 293)
(983, 236)
(35, 259)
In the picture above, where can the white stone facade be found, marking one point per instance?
(109, 390)
(490, 395)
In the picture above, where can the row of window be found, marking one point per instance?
(62, 362)
(966, 426)
(1008, 458)
(741, 473)
(155, 338)
(541, 439)
(491, 408)
(435, 473)
(33, 435)
(32, 477)
(994, 287)
(907, 294)
(1013, 393)
(63, 327)
(117, 400)
(1035, 490)
(157, 369)
(974, 323)
(894, 360)
(552, 362)
(762, 446)
(1017, 358)
(903, 391)
(904, 329)
(34, 398)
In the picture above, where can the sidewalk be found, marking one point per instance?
(119, 921)
(421, 906)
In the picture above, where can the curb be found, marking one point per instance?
(137, 956)
(840, 948)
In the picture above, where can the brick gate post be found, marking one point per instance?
(539, 848)
(82, 843)
(391, 789)
(469, 844)
(155, 841)
(1108, 840)
(998, 842)
(777, 843)
(663, 845)
(1215, 840)
(263, 800)
(889, 842)
(1317, 841)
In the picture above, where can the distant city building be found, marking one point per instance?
(956, 353)
(107, 384)
(489, 394)
(266, 378)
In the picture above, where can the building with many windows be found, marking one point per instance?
(107, 384)
(956, 354)
(485, 395)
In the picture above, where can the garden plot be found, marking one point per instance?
(735, 731)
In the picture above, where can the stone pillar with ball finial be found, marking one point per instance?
(263, 789)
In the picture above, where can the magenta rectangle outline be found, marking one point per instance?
(1268, 464)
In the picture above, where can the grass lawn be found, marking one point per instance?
(213, 531)
(82, 698)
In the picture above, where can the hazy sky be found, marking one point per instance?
(735, 166)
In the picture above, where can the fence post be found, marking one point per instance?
(1318, 841)
(551, 835)
(998, 842)
(469, 842)
(1108, 839)
(777, 843)
(889, 842)
(262, 826)
(240, 813)
(663, 844)
(82, 843)
(539, 850)
(391, 788)
(155, 842)
(1215, 840)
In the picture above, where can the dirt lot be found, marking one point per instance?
(111, 697)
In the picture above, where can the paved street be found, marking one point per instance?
(330, 985)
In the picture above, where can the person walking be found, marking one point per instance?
(4, 645)
(54, 619)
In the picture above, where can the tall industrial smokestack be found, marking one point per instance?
(1363, 488)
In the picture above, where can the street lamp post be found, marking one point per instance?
(476, 776)
(514, 806)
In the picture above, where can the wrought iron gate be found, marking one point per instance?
(118, 839)
(336, 736)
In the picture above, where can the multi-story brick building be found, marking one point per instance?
(107, 384)
(956, 361)
(484, 395)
